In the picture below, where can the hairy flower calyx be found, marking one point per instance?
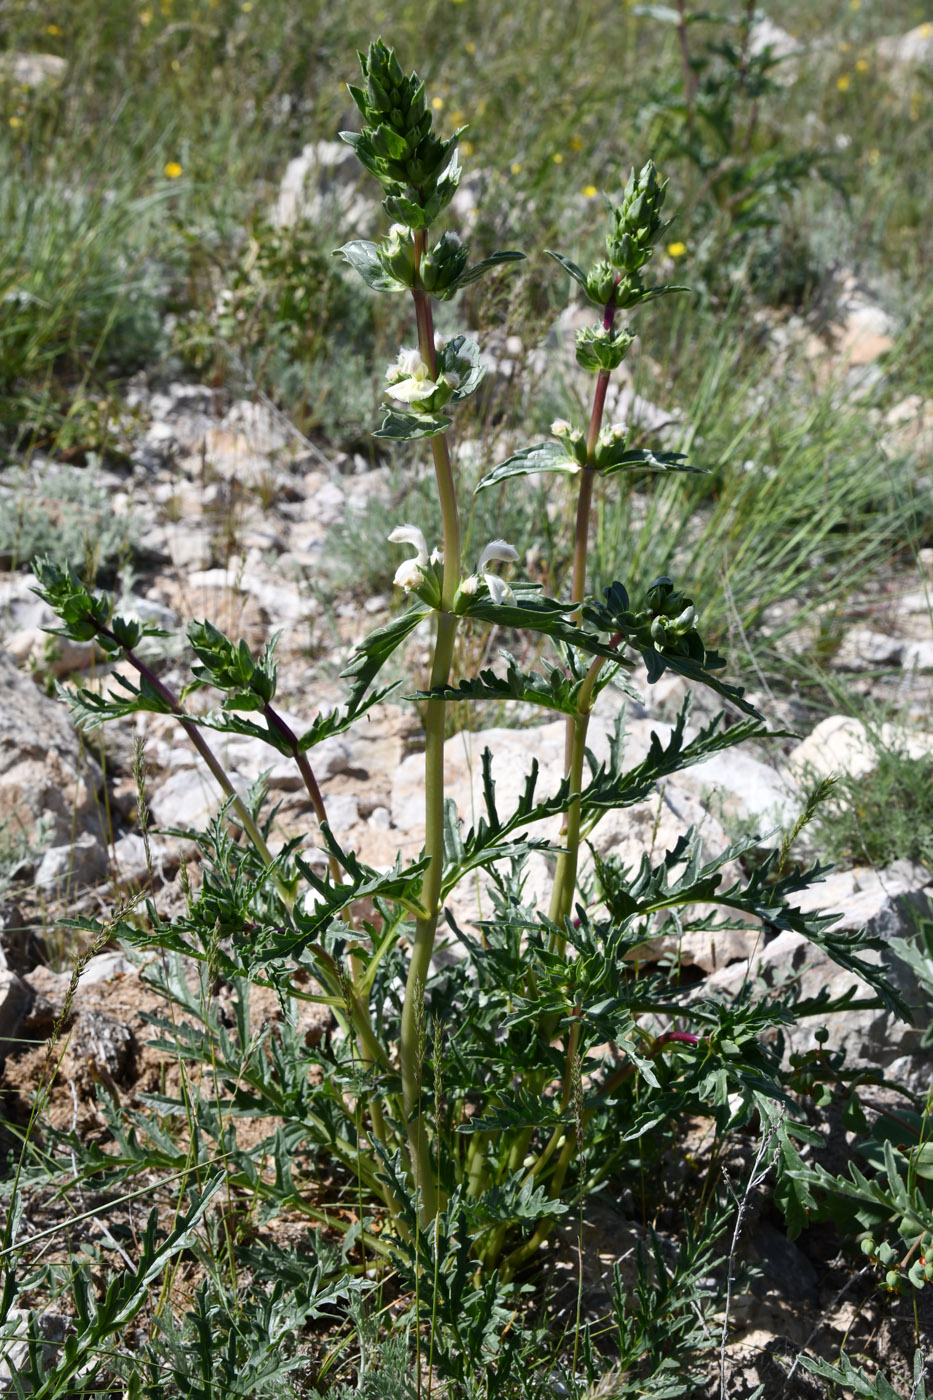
(571, 438)
(599, 348)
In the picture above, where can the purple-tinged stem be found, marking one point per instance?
(200, 743)
(275, 721)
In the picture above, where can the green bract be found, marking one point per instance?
(598, 348)
(635, 224)
(397, 145)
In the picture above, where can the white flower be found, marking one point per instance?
(561, 428)
(499, 590)
(409, 379)
(439, 342)
(407, 364)
(498, 550)
(409, 574)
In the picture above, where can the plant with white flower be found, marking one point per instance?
(543, 998)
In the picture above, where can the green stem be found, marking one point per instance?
(425, 929)
(435, 727)
(565, 877)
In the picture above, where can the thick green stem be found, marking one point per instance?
(565, 877)
(410, 1047)
(425, 929)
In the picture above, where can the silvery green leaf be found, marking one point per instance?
(542, 457)
(568, 265)
(643, 459)
(363, 257)
(461, 354)
(533, 613)
(408, 427)
(478, 270)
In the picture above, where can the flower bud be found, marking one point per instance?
(635, 224)
(601, 281)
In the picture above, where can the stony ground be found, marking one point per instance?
(205, 474)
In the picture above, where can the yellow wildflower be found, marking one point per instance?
(437, 103)
(15, 122)
(843, 82)
(862, 65)
(676, 250)
(557, 158)
(589, 191)
(54, 29)
(172, 169)
(576, 143)
(515, 167)
(874, 155)
(470, 46)
(467, 148)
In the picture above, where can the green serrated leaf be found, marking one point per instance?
(542, 457)
(553, 691)
(472, 274)
(571, 267)
(409, 427)
(375, 650)
(644, 459)
(363, 257)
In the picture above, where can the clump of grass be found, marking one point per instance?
(880, 816)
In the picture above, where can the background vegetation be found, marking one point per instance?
(136, 236)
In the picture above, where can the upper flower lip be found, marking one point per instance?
(499, 590)
(411, 534)
(499, 550)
